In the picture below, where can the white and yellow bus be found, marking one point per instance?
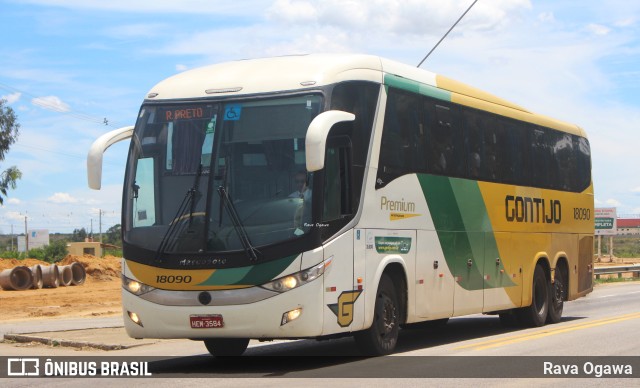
(326, 195)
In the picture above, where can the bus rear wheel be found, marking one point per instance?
(557, 295)
(381, 338)
(226, 347)
(536, 314)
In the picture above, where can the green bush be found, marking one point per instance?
(113, 252)
(12, 255)
(51, 253)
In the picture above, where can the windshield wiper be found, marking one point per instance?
(188, 203)
(251, 252)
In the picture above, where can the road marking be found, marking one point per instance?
(548, 331)
(609, 296)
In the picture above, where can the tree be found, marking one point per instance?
(8, 134)
(114, 235)
(79, 235)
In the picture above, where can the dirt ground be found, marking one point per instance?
(98, 296)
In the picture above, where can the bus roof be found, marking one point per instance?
(300, 72)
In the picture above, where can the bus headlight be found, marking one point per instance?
(135, 287)
(297, 279)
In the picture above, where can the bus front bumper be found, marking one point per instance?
(258, 320)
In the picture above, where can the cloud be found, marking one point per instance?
(155, 6)
(62, 198)
(408, 16)
(625, 22)
(546, 17)
(11, 98)
(181, 67)
(14, 216)
(13, 201)
(52, 103)
(613, 202)
(598, 29)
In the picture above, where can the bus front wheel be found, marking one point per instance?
(226, 347)
(536, 314)
(382, 336)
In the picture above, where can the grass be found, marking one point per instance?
(623, 246)
(615, 280)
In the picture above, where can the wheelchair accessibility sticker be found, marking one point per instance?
(232, 112)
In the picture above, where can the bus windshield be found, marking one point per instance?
(215, 177)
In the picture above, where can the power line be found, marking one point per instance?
(447, 33)
(61, 153)
(41, 102)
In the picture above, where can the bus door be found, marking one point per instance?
(341, 294)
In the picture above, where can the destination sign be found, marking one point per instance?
(182, 113)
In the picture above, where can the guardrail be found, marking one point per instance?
(634, 269)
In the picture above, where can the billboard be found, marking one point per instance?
(606, 221)
(38, 238)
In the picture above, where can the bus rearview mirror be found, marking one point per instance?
(94, 157)
(316, 139)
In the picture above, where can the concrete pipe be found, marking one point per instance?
(78, 274)
(18, 278)
(36, 271)
(65, 275)
(51, 276)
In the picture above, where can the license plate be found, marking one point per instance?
(206, 321)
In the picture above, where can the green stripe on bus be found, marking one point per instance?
(249, 276)
(456, 242)
(476, 220)
(416, 87)
(461, 220)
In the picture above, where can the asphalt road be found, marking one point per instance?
(605, 323)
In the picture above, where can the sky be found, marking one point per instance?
(75, 69)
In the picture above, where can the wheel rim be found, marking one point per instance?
(388, 316)
(558, 293)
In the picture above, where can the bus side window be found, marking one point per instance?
(144, 206)
(403, 143)
(474, 133)
(444, 137)
(583, 155)
(337, 180)
(497, 153)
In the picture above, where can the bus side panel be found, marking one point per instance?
(467, 254)
(503, 286)
(584, 267)
(340, 297)
(434, 278)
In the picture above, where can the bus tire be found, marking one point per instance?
(557, 295)
(226, 347)
(535, 315)
(381, 338)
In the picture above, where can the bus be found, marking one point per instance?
(317, 196)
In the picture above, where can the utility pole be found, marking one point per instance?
(26, 235)
(101, 246)
(11, 237)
